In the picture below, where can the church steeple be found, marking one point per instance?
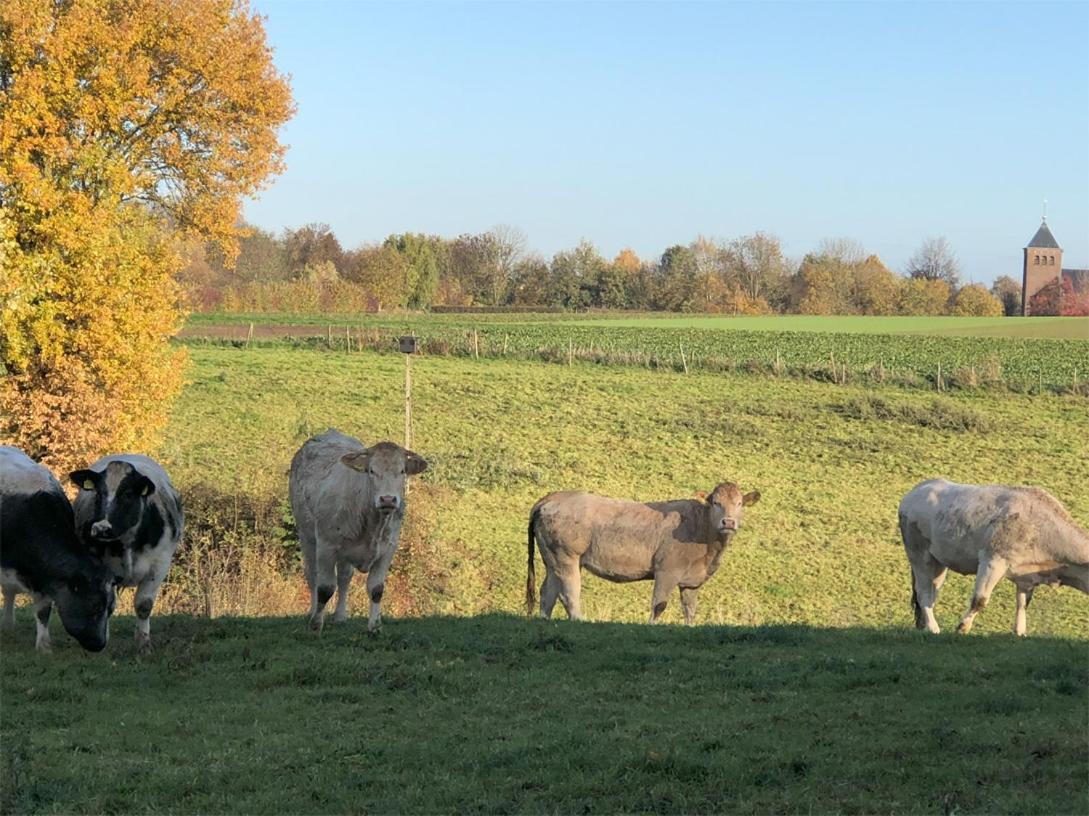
(1043, 263)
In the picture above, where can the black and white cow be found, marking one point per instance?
(129, 514)
(40, 555)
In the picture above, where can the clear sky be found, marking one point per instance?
(645, 125)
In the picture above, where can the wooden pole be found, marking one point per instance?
(249, 336)
(684, 362)
(408, 400)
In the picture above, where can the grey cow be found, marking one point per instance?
(129, 515)
(676, 543)
(995, 532)
(349, 503)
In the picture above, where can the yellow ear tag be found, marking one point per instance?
(147, 489)
(88, 485)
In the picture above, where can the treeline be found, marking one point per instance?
(307, 270)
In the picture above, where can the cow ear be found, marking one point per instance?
(414, 463)
(147, 487)
(750, 498)
(84, 479)
(357, 460)
(701, 495)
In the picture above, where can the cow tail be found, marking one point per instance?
(531, 578)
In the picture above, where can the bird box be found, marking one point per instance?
(407, 344)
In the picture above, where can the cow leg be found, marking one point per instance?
(570, 590)
(324, 584)
(376, 587)
(689, 598)
(992, 568)
(660, 599)
(142, 602)
(43, 608)
(310, 569)
(8, 623)
(1020, 621)
(927, 579)
(344, 582)
(550, 592)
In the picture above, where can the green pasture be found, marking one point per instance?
(498, 714)
(1073, 328)
(831, 461)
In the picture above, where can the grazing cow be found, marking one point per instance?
(676, 543)
(994, 531)
(40, 555)
(349, 502)
(129, 514)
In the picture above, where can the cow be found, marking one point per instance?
(129, 514)
(40, 555)
(677, 543)
(349, 503)
(994, 532)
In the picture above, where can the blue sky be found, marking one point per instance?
(647, 124)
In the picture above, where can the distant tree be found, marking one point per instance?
(935, 260)
(261, 257)
(422, 267)
(383, 272)
(755, 265)
(471, 261)
(508, 246)
(574, 277)
(924, 296)
(1059, 298)
(974, 300)
(311, 245)
(1008, 291)
(843, 250)
(876, 289)
(677, 279)
(530, 283)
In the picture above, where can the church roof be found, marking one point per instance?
(1043, 238)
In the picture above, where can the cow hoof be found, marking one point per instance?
(374, 630)
(316, 623)
(964, 628)
(340, 618)
(143, 646)
(45, 647)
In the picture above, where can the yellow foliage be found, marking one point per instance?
(923, 296)
(975, 301)
(124, 124)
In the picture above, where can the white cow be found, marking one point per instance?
(995, 532)
(349, 503)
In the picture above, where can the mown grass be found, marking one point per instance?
(832, 462)
(498, 714)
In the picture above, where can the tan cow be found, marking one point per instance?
(995, 532)
(676, 543)
(348, 502)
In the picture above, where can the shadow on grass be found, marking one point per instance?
(500, 713)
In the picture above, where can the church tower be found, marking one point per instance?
(1043, 264)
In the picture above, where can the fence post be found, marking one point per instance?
(684, 362)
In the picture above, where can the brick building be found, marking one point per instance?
(1044, 264)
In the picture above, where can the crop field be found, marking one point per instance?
(802, 689)
(929, 353)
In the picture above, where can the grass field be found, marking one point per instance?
(921, 353)
(1072, 328)
(503, 715)
(831, 462)
(804, 689)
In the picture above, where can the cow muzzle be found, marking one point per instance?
(388, 504)
(729, 526)
(102, 530)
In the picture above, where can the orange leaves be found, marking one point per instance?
(121, 122)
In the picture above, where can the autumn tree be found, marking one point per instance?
(1008, 292)
(125, 125)
(974, 300)
(312, 246)
(923, 296)
(935, 260)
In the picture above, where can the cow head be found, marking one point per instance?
(387, 466)
(121, 493)
(85, 602)
(726, 505)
